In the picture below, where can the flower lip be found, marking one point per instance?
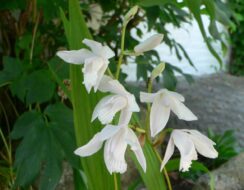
(117, 139)
(189, 142)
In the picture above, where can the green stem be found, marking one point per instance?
(165, 171)
(115, 182)
(167, 179)
(12, 104)
(110, 73)
(149, 90)
(34, 37)
(122, 51)
(5, 144)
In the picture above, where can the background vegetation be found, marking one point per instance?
(237, 43)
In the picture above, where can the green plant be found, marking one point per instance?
(30, 77)
(236, 65)
(226, 145)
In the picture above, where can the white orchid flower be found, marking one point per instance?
(117, 138)
(162, 102)
(120, 99)
(149, 43)
(189, 142)
(95, 61)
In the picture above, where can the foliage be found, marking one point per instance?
(226, 145)
(42, 122)
(156, 15)
(76, 30)
(236, 66)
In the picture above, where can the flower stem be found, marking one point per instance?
(149, 90)
(109, 73)
(167, 179)
(165, 171)
(122, 51)
(115, 182)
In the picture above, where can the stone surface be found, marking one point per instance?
(66, 182)
(229, 176)
(218, 101)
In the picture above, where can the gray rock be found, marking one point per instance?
(218, 101)
(229, 176)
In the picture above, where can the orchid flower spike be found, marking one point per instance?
(149, 43)
(95, 61)
(162, 102)
(189, 142)
(120, 100)
(117, 138)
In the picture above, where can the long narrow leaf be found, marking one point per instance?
(76, 30)
(153, 178)
(194, 6)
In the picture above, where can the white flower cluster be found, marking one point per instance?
(117, 137)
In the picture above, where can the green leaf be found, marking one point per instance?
(29, 154)
(18, 87)
(150, 3)
(50, 8)
(196, 166)
(12, 69)
(61, 114)
(53, 167)
(96, 174)
(195, 7)
(153, 178)
(25, 123)
(210, 6)
(62, 119)
(13, 4)
(44, 144)
(169, 79)
(39, 87)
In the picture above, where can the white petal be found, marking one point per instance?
(186, 148)
(176, 95)
(108, 84)
(91, 147)
(132, 104)
(93, 45)
(125, 116)
(136, 148)
(181, 110)
(91, 71)
(75, 56)
(149, 43)
(100, 75)
(114, 152)
(147, 97)
(107, 53)
(159, 116)
(99, 49)
(96, 142)
(203, 144)
(168, 153)
(108, 132)
(108, 107)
